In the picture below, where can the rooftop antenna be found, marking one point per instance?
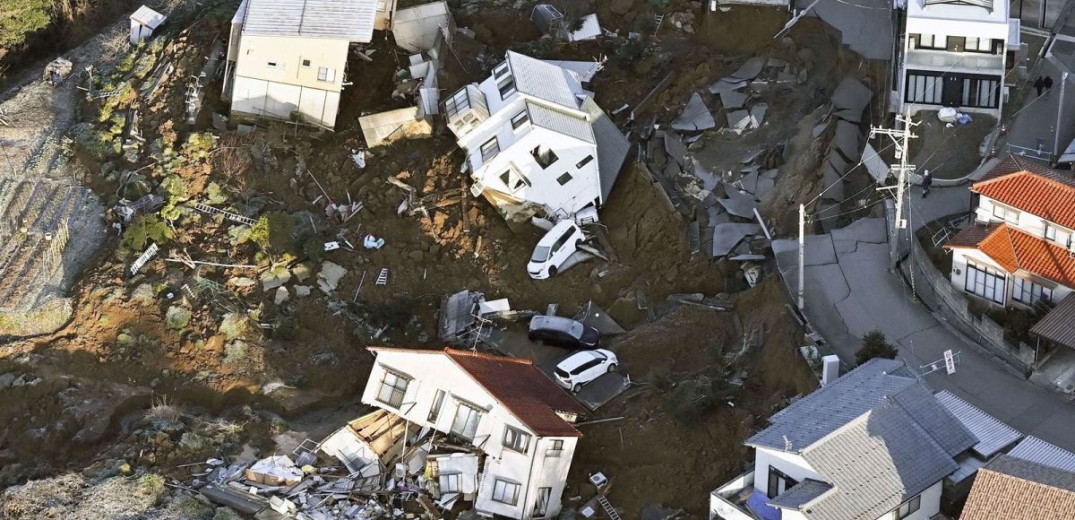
(787, 443)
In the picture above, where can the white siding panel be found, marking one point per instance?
(312, 106)
(281, 100)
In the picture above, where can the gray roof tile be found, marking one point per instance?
(801, 494)
(1037, 450)
(350, 19)
(941, 425)
(560, 122)
(544, 81)
(1033, 471)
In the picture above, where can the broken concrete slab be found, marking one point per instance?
(593, 316)
(820, 128)
(275, 277)
(709, 179)
(695, 116)
(850, 115)
(676, 150)
(848, 140)
(302, 271)
(833, 189)
(393, 125)
(302, 291)
(751, 68)
(875, 164)
(739, 120)
(828, 215)
(757, 114)
(329, 277)
(727, 84)
(727, 236)
(732, 100)
(864, 25)
(851, 94)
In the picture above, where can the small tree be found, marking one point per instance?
(874, 344)
(272, 232)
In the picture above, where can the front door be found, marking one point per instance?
(952, 93)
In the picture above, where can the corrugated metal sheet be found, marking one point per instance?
(992, 434)
(1059, 324)
(350, 19)
(544, 81)
(1037, 450)
(560, 122)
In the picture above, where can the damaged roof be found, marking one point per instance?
(349, 19)
(612, 146)
(544, 81)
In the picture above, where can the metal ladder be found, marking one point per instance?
(609, 510)
(658, 19)
(205, 208)
(382, 277)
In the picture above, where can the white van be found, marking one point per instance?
(553, 249)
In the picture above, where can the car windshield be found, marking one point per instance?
(562, 373)
(541, 254)
(575, 330)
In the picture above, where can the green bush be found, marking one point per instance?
(874, 344)
(21, 18)
(143, 229)
(272, 232)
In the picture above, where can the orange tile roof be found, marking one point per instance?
(519, 385)
(1016, 250)
(1029, 187)
(1013, 489)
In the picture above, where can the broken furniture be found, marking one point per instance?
(57, 71)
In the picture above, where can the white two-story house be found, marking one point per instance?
(1019, 250)
(287, 59)
(874, 444)
(955, 54)
(505, 407)
(536, 141)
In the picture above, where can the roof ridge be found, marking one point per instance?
(449, 351)
(1015, 252)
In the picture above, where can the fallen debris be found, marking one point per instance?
(393, 125)
(695, 116)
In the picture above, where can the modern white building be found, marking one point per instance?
(1019, 251)
(506, 408)
(874, 444)
(956, 53)
(287, 59)
(536, 141)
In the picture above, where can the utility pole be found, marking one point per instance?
(1057, 151)
(900, 138)
(802, 252)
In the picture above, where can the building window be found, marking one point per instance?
(506, 87)
(501, 70)
(275, 65)
(489, 149)
(979, 45)
(555, 449)
(923, 88)
(779, 482)
(326, 74)
(1006, 214)
(449, 483)
(1055, 234)
(564, 179)
(465, 423)
(520, 119)
(985, 282)
(1028, 292)
(981, 93)
(956, 43)
(434, 411)
(909, 507)
(393, 388)
(541, 508)
(514, 180)
(584, 162)
(544, 156)
(516, 440)
(925, 41)
(505, 492)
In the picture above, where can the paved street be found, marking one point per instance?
(849, 291)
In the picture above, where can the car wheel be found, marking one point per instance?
(576, 388)
(612, 368)
(552, 271)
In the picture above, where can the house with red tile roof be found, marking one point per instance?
(1019, 250)
(505, 408)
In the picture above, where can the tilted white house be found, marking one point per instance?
(536, 141)
(288, 58)
(956, 54)
(874, 444)
(504, 407)
(1019, 251)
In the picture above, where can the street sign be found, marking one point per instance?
(949, 362)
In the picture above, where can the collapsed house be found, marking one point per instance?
(536, 141)
(287, 59)
(496, 431)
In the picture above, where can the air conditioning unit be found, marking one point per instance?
(477, 188)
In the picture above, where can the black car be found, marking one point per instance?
(563, 332)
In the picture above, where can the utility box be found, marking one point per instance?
(830, 369)
(143, 22)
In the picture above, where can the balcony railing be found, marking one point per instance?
(981, 63)
(728, 502)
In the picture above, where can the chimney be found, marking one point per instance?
(830, 369)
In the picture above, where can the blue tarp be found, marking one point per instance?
(756, 503)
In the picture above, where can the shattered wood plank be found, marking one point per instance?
(641, 106)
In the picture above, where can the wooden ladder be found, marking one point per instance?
(382, 277)
(609, 510)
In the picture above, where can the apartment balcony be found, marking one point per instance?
(730, 501)
(465, 110)
(948, 61)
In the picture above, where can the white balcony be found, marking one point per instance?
(729, 502)
(948, 61)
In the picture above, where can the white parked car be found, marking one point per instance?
(554, 248)
(584, 366)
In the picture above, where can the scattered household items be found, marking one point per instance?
(545, 118)
(416, 29)
(143, 22)
(126, 210)
(196, 85)
(583, 367)
(952, 116)
(562, 332)
(489, 428)
(382, 277)
(57, 71)
(393, 125)
(289, 63)
(550, 21)
(148, 254)
(554, 249)
(372, 242)
(466, 317)
(277, 470)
